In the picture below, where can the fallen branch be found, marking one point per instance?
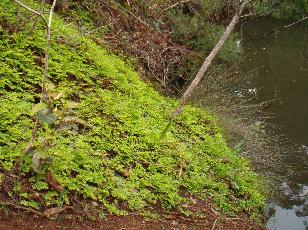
(191, 88)
(20, 207)
(47, 213)
(53, 211)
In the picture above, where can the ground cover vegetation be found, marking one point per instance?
(99, 133)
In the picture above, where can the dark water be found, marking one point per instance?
(279, 64)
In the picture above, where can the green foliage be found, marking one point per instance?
(196, 28)
(284, 10)
(292, 9)
(105, 143)
(199, 25)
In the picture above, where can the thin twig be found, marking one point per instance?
(286, 26)
(32, 10)
(214, 225)
(175, 4)
(47, 213)
(48, 39)
(268, 10)
(36, 19)
(20, 207)
(127, 11)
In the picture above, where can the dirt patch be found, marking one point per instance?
(82, 217)
(86, 214)
(21, 220)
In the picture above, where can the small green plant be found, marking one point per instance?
(99, 131)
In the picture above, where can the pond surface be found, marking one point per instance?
(279, 63)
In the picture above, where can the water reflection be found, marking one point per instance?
(294, 217)
(280, 62)
(287, 219)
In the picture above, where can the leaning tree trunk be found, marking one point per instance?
(191, 88)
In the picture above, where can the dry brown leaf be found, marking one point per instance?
(53, 182)
(53, 211)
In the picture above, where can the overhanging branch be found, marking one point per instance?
(32, 10)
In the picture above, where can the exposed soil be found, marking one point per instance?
(84, 214)
(15, 219)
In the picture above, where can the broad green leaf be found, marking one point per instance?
(235, 185)
(47, 117)
(38, 107)
(37, 162)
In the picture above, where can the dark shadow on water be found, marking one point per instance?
(281, 63)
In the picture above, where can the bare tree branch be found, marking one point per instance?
(45, 74)
(175, 4)
(36, 19)
(286, 26)
(48, 38)
(32, 10)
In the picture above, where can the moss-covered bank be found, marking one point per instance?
(105, 142)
